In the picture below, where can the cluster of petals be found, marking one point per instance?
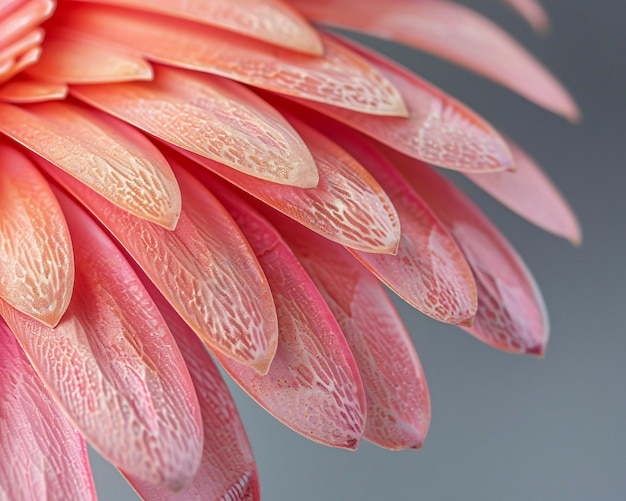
(189, 180)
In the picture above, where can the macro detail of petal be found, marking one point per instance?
(272, 21)
(32, 91)
(109, 156)
(347, 207)
(113, 365)
(439, 130)
(227, 471)
(313, 385)
(511, 314)
(36, 258)
(454, 32)
(212, 117)
(204, 268)
(528, 192)
(340, 78)
(41, 454)
(398, 403)
(77, 61)
(533, 12)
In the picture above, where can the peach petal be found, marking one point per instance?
(24, 91)
(113, 365)
(36, 258)
(109, 156)
(41, 454)
(340, 77)
(212, 117)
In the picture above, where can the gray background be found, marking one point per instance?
(507, 427)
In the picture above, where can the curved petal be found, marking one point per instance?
(24, 91)
(348, 206)
(109, 156)
(41, 454)
(533, 12)
(340, 77)
(204, 268)
(398, 403)
(212, 117)
(439, 129)
(113, 365)
(313, 385)
(272, 21)
(36, 258)
(529, 192)
(511, 315)
(457, 33)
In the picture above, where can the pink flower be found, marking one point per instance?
(179, 174)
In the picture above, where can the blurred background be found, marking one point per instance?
(506, 427)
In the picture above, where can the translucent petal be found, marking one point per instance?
(41, 454)
(340, 77)
(109, 156)
(212, 117)
(36, 258)
(113, 365)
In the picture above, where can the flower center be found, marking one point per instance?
(20, 34)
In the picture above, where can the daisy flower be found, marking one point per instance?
(183, 181)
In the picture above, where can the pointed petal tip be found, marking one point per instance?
(351, 444)
(538, 350)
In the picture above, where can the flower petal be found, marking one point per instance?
(530, 193)
(113, 365)
(204, 268)
(227, 470)
(20, 90)
(347, 207)
(340, 77)
(107, 155)
(41, 454)
(533, 12)
(74, 60)
(36, 258)
(398, 403)
(272, 21)
(511, 315)
(313, 385)
(439, 129)
(212, 117)
(457, 33)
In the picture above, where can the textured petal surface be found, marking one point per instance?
(313, 385)
(41, 454)
(272, 21)
(227, 471)
(214, 118)
(511, 314)
(398, 403)
(36, 258)
(113, 365)
(530, 193)
(340, 77)
(456, 33)
(348, 206)
(204, 268)
(439, 130)
(107, 155)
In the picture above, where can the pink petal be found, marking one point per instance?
(340, 77)
(113, 365)
(398, 404)
(227, 470)
(212, 117)
(347, 206)
(439, 130)
(530, 193)
(41, 454)
(454, 32)
(533, 12)
(272, 21)
(204, 268)
(109, 156)
(36, 259)
(313, 385)
(511, 315)
(19, 90)
(74, 60)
